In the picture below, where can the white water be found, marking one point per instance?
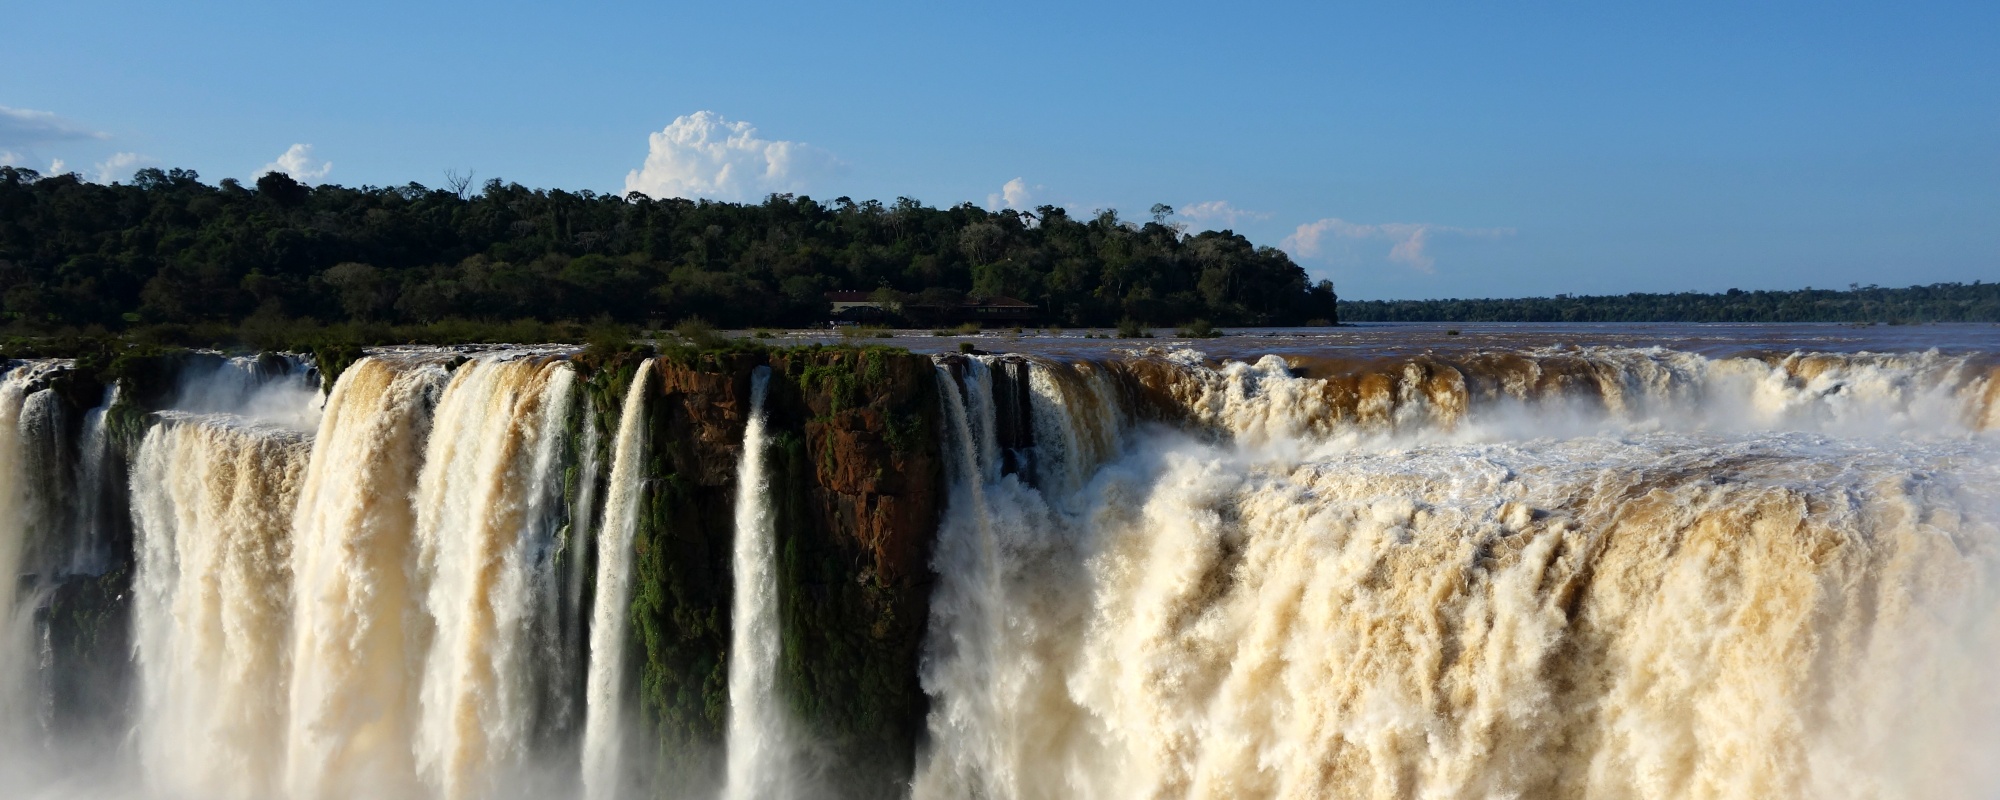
(1733, 580)
(605, 776)
(759, 739)
(16, 627)
(91, 553)
(213, 499)
(487, 480)
(396, 645)
(1579, 573)
(276, 391)
(357, 629)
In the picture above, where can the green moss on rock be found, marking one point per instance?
(855, 488)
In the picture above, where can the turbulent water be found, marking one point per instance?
(484, 539)
(1466, 571)
(1621, 573)
(17, 650)
(213, 499)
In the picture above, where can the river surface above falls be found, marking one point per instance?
(1382, 339)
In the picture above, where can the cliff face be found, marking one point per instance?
(857, 515)
(856, 487)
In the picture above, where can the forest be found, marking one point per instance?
(1938, 302)
(182, 259)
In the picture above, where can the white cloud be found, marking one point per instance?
(9, 158)
(1409, 240)
(1220, 211)
(1014, 194)
(56, 166)
(21, 127)
(297, 161)
(704, 155)
(120, 166)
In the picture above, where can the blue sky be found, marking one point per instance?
(1402, 150)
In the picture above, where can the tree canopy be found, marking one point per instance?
(170, 249)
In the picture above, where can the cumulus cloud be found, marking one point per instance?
(1409, 241)
(704, 155)
(119, 166)
(1214, 212)
(1014, 194)
(24, 128)
(297, 161)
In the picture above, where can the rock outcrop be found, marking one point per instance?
(856, 487)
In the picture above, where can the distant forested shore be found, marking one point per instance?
(169, 257)
(1938, 302)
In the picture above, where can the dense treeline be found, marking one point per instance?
(169, 250)
(1938, 302)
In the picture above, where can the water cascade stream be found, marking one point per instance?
(356, 627)
(1540, 572)
(1684, 578)
(759, 745)
(213, 497)
(482, 544)
(17, 703)
(604, 774)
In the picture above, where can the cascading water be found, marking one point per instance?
(91, 553)
(16, 628)
(605, 776)
(1577, 572)
(278, 389)
(213, 500)
(482, 558)
(759, 740)
(356, 627)
(572, 607)
(1676, 577)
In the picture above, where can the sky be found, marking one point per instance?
(1405, 150)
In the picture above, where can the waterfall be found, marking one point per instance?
(91, 552)
(481, 533)
(1000, 616)
(49, 468)
(1577, 572)
(582, 526)
(605, 776)
(16, 628)
(213, 499)
(567, 607)
(759, 746)
(280, 389)
(1659, 576)
(357, 618)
